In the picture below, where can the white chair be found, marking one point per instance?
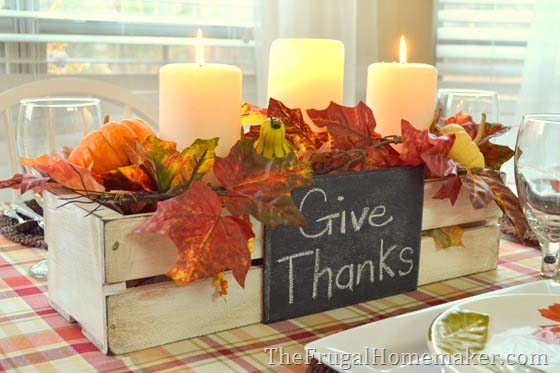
(106, 92)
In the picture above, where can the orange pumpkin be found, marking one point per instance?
(109, 147)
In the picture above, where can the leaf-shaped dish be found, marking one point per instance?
(507, 333)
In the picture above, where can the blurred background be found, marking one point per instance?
(507, 46)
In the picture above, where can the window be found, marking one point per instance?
(481, 44)
(121, 41)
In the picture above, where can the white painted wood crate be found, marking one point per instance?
(91, 259)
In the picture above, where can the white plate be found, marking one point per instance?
(400, 334)
(512, 320)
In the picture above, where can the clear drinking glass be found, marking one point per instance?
(50, 125)
(473, 102)
(537, 174)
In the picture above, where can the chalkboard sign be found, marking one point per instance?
(362, 242)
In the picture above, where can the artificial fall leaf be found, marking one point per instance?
(480, 193)
(74, 177)
(26, 182)
(350, 127)
(130, 178)
(552, 312)
(252, 114)
(261, 187)
(422, 147)
(450, 189)
(172, 171)
(548, 334)
(14, 182)
(465, 121)
(207, 242)
(507, 201)
(297, 131)
(491, 130)
(495, 155)
(447, 237)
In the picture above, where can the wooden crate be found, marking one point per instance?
(94, 261)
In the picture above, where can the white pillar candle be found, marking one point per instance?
(199, 100)
(401, 90)
(306, 73)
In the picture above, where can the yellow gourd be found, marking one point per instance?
(464, 150)
(272, 141)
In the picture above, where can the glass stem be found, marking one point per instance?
(550, 258)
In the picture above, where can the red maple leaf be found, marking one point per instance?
(297, 131)
(261, 187)
(422, 147)
(548, 333)
(450, 189)
(350, 127)
(552, 312)
(207, 242)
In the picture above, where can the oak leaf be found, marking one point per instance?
(261, 187)
(207, 242)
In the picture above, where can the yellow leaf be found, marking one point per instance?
(447, 236)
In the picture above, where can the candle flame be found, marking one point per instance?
(199, 48)
(402, 50)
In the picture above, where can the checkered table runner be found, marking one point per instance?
(33, 337)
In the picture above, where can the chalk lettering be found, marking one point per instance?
(350, 283)
(313, 190)
(357, 223)
(317, 275)
(409, 261)
(290, 259)
(360, 269)
(374, 214)
(382, 259)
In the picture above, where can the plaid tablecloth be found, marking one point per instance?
(33, 337)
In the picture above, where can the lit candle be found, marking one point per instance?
(200, 100)
(400, 90)
(306, 73)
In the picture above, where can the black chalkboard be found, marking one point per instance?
(362, 242)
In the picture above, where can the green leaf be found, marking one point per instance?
(447, 237)
(459, 330)
(172, 171)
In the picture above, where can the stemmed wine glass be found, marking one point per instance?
(51, 125)
(472, 102)
(537, 174)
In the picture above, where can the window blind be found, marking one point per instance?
(120, 41)
(481, 44)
